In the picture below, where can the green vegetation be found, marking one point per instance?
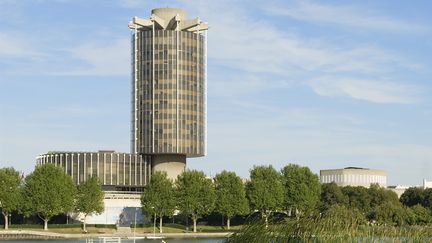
(195, 195)
(89, 199)
(231, 196)
(9, 192)
(291, 202)
(265, 190)
(48, 191)
(302, 189)
(158, 197)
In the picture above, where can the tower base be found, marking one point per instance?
(172, 164)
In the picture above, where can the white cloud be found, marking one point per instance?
(378, 91)
(101, 59)
(255, 46)
(345, 16)
(17, 46)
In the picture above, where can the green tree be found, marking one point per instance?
(422, 215)
(89, 199)
(265, 190)
(380, 195)
(389, 213)
(331, 194)
(302, 188)
(427, 198)
(358, 197)
(230, 194)
(195, 194)
(412, 196)
(10, 182)
(158, 197)
(48, 191)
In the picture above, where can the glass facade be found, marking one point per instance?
(168, 95)
(115, 170)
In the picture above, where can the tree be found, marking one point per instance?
(158, 197)
(10, 182)
(302, 188)
(412, 196)
(427, 198)
(195, 194)
(422, 215)
(230, 194)
(380, 195)
(48, 191)
(358, 197)
(331, 194)
(89, 199)
(392, 214)
(265, 190)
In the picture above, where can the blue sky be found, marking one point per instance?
(324, 84)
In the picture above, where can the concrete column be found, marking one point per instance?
(172, 164)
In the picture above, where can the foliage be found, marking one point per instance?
(302, 188)
(412, 196)
(265, 190)
(331, 194)
(230, 194)
(89, 198)
(427, 201)
(195, 194)
(422, 215)
(358, 197)
(389, 213)
(158, 196)
(328, 229)
(340, 217)
(10, 182)
(48, 191)
(380, 195)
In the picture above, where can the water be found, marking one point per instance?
(182, 240)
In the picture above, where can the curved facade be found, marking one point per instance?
(168, 84)
(116, 171)
(354, 176)
(168, 88)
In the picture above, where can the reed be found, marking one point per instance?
(328, 229)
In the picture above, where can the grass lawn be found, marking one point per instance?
(66, 228)
(178, 228)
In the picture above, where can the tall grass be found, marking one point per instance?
(318, 229)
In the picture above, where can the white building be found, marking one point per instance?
(354, 176)
(123, 209)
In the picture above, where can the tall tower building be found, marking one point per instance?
(168, 89)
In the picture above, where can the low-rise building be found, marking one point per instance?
(354, 176)
(399, 189)
(122, 176)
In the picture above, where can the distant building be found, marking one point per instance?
(354, 176)
(399, 190)
(427, 184)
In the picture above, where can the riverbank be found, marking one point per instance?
(34, 234)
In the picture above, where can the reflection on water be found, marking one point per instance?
(183, 240)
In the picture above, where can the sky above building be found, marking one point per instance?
(323, 84)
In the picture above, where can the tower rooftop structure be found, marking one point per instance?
(168, 19)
